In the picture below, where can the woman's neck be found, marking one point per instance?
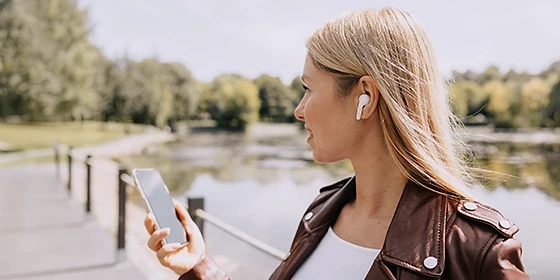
(379, 184)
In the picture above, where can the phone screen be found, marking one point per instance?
(158, 200)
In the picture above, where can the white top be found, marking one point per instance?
(336, 258)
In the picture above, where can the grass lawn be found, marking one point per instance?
(43, 135)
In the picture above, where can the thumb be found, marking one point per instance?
(195, 244)
(193, 232)
(182, 214)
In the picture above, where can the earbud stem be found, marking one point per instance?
(359, 113)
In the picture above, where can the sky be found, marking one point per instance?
(254, 37)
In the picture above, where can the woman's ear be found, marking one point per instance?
(368, 86)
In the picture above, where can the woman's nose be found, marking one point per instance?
(298, 112)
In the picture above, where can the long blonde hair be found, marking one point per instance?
(418, 124)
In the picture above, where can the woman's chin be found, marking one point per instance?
(316, 156)
(320, 158)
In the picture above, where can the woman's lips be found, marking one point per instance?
(310, 134)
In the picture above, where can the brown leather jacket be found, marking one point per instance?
(431, 236)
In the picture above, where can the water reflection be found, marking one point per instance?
(522, 166)
(231, 157)
(263, 184)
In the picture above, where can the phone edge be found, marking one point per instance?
(156, 223)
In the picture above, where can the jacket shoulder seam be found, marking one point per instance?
(488, 216)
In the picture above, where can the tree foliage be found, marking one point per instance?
(235, 102)
(534, 99)
(277, 99)
(48, 64)
(552, 112)
(468, 98)
(501, 103)
(509, 101)
(51, 71)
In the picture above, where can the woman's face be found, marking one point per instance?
(329, 118)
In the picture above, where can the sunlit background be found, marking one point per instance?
(204, 91)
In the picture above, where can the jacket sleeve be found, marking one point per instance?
(503, 261)
(206, 269)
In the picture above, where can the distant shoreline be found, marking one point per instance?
(477, 134)
(519, 136)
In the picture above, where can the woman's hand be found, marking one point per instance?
(179, 258)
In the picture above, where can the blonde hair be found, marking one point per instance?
(418, 124)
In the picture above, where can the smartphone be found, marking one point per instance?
(159, 202)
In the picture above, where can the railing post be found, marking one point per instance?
(88, 185)
(70, 169)
(121, 253)
(193, 204)
(57, 161)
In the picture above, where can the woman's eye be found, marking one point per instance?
(306, 89)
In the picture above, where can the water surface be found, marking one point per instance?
(263, 184)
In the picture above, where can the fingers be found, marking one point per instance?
(150, 223)
(154, 242)
(193, 232)
(182, 214)
(196, 241)
(166, 251)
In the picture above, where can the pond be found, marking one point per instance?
(263, 182)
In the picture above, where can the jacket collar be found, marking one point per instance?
(417, 231)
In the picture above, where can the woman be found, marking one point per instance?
(374, 96)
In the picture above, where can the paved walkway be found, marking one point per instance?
(44, 233)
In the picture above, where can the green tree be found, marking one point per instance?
(205, 100)
(465, 76)
(500, 105)
(467, 98)
(148, 92)
(109, 87)
(534, 100)
(185, 92)
(14, 59)
(552, 74)
(552, 112)
(48, 64)
(137, 95)
(459, 100)
(277, 100)
(235, 102)
(68, 57)
(491, 73)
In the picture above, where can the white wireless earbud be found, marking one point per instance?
(362, 101)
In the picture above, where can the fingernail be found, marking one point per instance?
(166, 230)
(175, 245)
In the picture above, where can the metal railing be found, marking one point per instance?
(195, 206)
